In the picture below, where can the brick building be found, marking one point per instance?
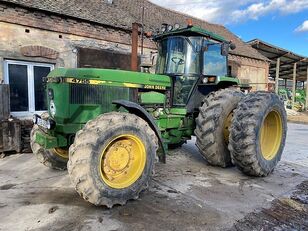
(39, 35)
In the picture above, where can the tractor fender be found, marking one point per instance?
(137, 110)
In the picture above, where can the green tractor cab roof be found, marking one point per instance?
(190, 31)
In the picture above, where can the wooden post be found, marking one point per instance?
(277, 76)
(307, 90)
(4, 102)
(294, 85)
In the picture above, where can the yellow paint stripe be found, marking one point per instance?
(116, 84)
(132, 85)
(96, 82)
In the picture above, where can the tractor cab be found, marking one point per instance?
(191, 56)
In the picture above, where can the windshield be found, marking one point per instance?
(214, 63)
(179, 55)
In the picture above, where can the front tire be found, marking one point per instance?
(212, 126)
(112, 158)
(53, 158)
(258, 133)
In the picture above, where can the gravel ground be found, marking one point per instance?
(185, 194)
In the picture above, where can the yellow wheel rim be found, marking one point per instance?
(271, 135)
(227, 124)
(122, 161)
(61, 152)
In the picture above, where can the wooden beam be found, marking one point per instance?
(274, 53)
(277, 76)
(302, 67)
(294, 85)
(278, 56)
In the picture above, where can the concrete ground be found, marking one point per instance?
(186, 194)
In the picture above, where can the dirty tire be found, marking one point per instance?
(245, 133)
(210, 125)
(84, 164)
(47, 157)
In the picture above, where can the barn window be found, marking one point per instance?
(27, 93)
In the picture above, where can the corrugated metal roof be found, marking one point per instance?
(287, 60)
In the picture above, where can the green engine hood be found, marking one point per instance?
(112, 77)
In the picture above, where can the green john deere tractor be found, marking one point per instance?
(108, 127)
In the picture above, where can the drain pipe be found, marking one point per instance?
(134, 55)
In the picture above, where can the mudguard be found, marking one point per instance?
(136, 109)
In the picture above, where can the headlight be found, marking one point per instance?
(34, 118)
(164, 27)
(205, 80)
(52, 108)
(50, 124)
(177, 26)
(50, 94)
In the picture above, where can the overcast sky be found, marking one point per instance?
(281, 22)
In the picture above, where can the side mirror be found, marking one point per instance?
(232, 46)
(224, 49)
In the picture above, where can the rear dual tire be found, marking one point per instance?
(253, 139)
(212, 126)
(258, 133)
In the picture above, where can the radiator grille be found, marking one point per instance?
(96, 94)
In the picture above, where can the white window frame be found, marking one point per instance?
(31, 90)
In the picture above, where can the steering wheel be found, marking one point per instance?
(178, 61)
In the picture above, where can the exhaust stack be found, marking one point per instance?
(134, 55)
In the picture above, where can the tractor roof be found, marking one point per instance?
(190, 31)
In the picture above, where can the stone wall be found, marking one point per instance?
(38, 19)
(22, 27)
(14, 39)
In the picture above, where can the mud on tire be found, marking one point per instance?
(48, 157)
(258, 133)
(211, 126)
(84, 165)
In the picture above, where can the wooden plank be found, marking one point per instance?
(277, 76)
(294, 85)
(4, 101)
(1, 137)
(307, 90)
(11, 136)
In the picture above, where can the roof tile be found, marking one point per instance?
(122, 13)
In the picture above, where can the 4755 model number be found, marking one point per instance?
(84, 81)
